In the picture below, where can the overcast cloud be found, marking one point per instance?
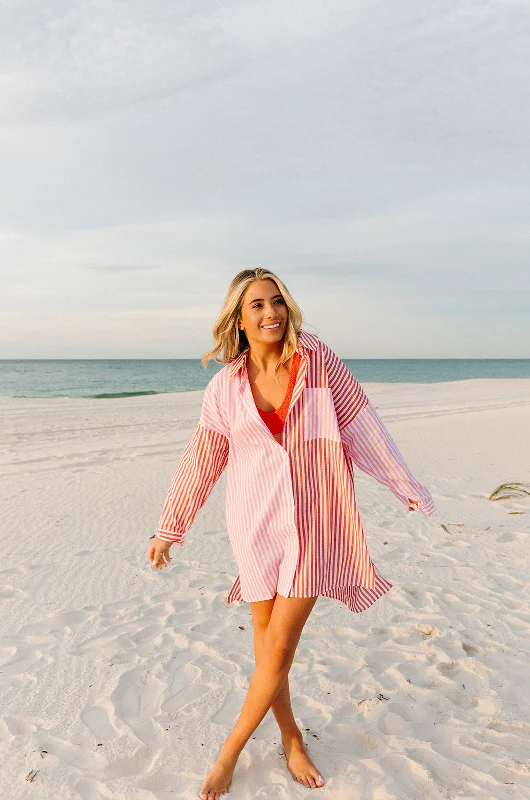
(374, 154)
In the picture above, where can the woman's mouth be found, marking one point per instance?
(271, 327)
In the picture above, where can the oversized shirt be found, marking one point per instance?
(291, 514)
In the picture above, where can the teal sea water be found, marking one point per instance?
(116, 378)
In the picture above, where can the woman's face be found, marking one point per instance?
(263, 306)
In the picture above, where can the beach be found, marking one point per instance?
(121, 681)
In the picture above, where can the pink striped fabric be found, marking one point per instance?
(291, 514)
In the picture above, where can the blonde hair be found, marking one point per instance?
(226, 332)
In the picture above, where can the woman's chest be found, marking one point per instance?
(269, 390)
(307, 409)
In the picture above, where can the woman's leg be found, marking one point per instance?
(302, 769)
(281, 706)
(288, 617)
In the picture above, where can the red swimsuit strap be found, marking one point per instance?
(281, 412)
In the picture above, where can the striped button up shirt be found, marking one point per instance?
(291, 514)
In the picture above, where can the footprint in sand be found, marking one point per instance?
(230, 709)
(471, 650)
(69, 753)
(89, 789)
(8, 592)
(508, 582)
(15, 726)
(140, 762)
(136, 701)
(516, 536)
(393, 725)
(350, 739)
(97, 720)
(337, 669)
(57, 622)
(219, 663)
(409, 778)
(186, 687)
(418, 597)
(398, 554)
(23, 663)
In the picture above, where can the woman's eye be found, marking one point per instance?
(279, 300)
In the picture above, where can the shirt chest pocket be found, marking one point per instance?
(320, 420)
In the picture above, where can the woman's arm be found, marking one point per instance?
(367, 441)
(372, 448)
(200, 466)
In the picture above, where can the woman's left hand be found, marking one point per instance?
(413, 505)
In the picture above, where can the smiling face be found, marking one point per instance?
(264, 313)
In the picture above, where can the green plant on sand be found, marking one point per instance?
(507, 490)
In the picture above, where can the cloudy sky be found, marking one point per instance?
(374, 154)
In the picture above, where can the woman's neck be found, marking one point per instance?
(264, 356)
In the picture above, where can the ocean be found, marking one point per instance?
(116, 378)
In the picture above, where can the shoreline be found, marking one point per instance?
(369, 384)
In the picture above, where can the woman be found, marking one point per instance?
(289, 421)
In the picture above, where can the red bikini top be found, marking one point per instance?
(275, 420)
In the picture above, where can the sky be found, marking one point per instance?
(375, 155)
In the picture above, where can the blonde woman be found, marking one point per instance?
(289, 421)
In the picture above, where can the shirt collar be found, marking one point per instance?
(306, 342)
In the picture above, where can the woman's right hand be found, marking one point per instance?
(158, 553)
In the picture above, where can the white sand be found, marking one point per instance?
(130, 678)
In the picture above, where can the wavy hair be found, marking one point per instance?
(230, 340)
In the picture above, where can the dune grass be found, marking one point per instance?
(507, 490)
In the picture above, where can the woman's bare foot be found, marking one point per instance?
(218, 780)
(299, 764)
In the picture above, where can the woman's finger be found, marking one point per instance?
(158, 554)
(152, 555)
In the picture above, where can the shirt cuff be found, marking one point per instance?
(425, 506)
(169, 536)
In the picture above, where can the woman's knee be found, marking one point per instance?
(278, 623)
(278, 648)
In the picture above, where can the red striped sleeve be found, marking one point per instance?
(348, 395)
(200, 466)
(369, 444)
(366, 439)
